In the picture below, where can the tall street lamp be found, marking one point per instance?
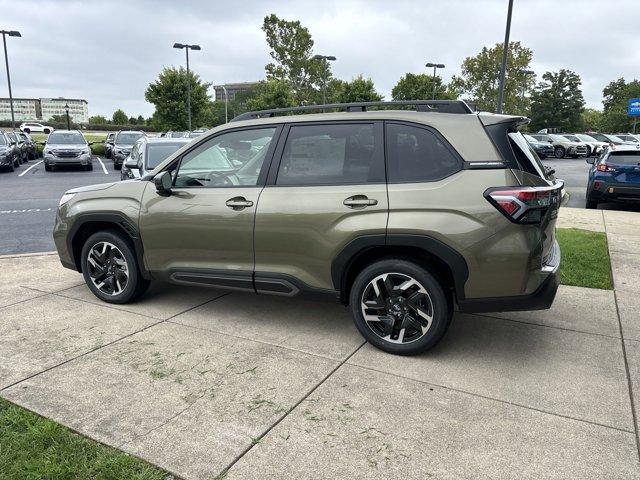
(505, 52)
(11, 33)
(329, 58)
(66, 109)
(435, 66)
(187, 48)
(226, 103)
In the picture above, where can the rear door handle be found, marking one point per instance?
(359, 201)
(238, 203)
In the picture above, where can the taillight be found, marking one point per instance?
(603, 167)
(524, 204)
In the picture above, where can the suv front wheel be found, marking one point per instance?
(110, 268)
(399, 307)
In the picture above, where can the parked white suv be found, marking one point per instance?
(31, 127)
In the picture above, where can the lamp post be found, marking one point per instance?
(435, 66)
(187, 48)
(505, 52)
(329, 58)
(11, 33)
(226, 102)
(66, 109)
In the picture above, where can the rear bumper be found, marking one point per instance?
(608, 192)
(541, 299)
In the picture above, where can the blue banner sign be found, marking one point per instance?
(633, 108)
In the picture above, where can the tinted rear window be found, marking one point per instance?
(624, 158)
(416, 154)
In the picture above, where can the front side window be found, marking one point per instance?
(3, 140)
(416, 154)
(331, 155)
(213, 164)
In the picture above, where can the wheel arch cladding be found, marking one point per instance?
(448, 265)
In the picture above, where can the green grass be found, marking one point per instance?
(33, 447)
(585, 258)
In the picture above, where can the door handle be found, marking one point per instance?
(359, 201)
(238, 203)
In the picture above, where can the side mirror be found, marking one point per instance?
(590, 160)
(163, 183)
(131, 163)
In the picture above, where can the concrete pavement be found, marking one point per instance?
(203, 382)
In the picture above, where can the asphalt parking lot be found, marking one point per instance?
(29, 198)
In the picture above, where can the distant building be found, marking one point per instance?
(44, 108)
(232, 89)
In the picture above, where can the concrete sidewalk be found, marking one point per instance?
(201, 381)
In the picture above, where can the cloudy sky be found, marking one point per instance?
(108, 52)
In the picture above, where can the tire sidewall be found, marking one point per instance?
(559, 152)
(130, 291)
(441, 307)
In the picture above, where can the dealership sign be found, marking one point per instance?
(633, 108)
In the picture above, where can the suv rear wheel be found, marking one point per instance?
(559, 152)
(399, 307)
(110, 268)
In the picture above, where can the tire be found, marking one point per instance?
(402, 316)
(47, 131)
(11, 167)
(591, 204)
(559, 152)
(17, 162)
(117, 166)
(119, 285)
(27, 130)
(89, 167)
(47, 167)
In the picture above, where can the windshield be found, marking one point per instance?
(628, 138)
(624, 158)
(542, 138)
(128, 138)
(573, 138)
(586, 138)
(529, 138)
(66, 138)
(157, 153)
(558, 138)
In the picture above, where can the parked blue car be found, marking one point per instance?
(614, 176)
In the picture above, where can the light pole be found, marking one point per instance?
(66, 109)
(226, 101)
(11, 33)
(187, 48)
(435, 66)
(505, 51)
(329, 58)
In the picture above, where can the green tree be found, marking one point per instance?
(481, 74)
(119, 117)
(420, 87)
(98, 120)
(140, 120)
(557, 102)
(291, 48)
(359, 89)
(616, 96)
(270, 94)
(592, 119)
(169, 95)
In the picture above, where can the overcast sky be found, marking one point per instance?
(108, 52)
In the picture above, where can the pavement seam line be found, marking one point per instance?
(634, 416)
(523, 322)
(256, 441)
(479, 395)
(42, 294)
(103, 346)
(262, 342)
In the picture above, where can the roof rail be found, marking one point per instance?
(441, 106)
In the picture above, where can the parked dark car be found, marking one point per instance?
(21, 146)
(543, 149)
(8, 153)
(147, 154)
(122, 146)
(32, 151)
(108, 144)
(615, 176)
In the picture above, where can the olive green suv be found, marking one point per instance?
(404, 211)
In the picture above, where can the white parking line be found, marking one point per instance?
(103, 167)
(34, 165)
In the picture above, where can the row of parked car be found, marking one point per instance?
(16, 148)
(576, 145)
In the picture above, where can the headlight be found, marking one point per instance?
(65, 198)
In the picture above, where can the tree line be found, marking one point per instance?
(295, 77)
